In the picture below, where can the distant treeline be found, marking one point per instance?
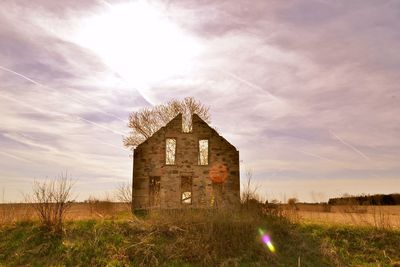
(380, 199)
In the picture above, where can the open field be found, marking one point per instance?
(106, 234)
(11, 213)
(374, 216)
(197, 238)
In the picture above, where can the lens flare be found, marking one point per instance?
(266, 240)
(218, 173)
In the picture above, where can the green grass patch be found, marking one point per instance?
(195, 238)
(357, 246)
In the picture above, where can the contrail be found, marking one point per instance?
(65, 116)
(100, 126)
(313, 155)
(250, 84)
(22, 76)
(57, 91)
(21, 138)
(349, 145)
(26, 141)
(15, 157)
(109, 144)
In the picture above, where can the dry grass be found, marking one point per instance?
(103, 209)
(161, 238)
(196, 238)
(382, 217)
(17, 212)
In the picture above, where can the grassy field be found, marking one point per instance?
(194, 238)
(11, 213)
(382, 217)
(386, 217)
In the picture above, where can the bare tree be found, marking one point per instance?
(51, 200)
(249, 192)
(145, 122)
(124, 193)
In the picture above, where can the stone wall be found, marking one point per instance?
(214, 185)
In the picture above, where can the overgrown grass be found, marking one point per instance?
(357, 246)
(196, 238)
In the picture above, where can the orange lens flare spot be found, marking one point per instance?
(218, 173)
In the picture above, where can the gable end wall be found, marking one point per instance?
(149, 160)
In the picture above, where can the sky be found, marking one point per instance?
(307, 91)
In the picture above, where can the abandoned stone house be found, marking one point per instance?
(174, 169)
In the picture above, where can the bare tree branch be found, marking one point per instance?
(145, 122)
(51, 200)
(124, 193)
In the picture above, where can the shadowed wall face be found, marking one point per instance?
(174, 169)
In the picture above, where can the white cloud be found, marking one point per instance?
(279, 82)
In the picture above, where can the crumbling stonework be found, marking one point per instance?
(186, 183)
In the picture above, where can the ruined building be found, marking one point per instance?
(174, 169)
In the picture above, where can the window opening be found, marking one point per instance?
(203, 152)
(186, 190)
(170, 151)
(187, 124)
(154, 190)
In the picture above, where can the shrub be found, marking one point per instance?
(124, 193)
(51, 200)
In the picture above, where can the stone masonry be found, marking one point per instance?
(186, 183)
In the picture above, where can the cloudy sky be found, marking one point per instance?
(308, 91)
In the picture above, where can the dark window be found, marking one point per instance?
(154, 190)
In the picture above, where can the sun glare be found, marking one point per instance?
(139, 42)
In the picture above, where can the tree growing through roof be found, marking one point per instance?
(146, 121)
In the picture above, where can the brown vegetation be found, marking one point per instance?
(98, 209)
(382, 217)
(51, 200)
